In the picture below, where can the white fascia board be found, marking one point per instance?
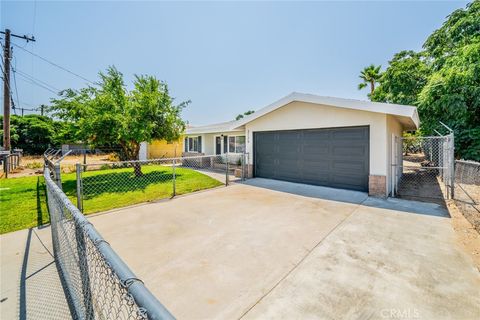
(378, 107)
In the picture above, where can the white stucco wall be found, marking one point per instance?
(142, 155)
(208, 140)
(394, 129)
(301, 115)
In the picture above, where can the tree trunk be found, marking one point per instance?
(132, 150)
(372, 87)
(137, 168)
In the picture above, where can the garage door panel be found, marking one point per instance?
(342, 151)
(289, 176)
(312, 152)
(318, 177)
(315, 135)
(290, 155)
(312, 166)
(349, 134)
(347, 178)
(332, 157)
(351, 166)
(288, 164)
(320, 181)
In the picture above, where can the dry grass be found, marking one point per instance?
(33, 165)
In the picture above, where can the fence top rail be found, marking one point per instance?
(50, 153)
(142, 296)
(418, 167)
(63, 157)
(425, 137)
(160, 159)
(469, 162)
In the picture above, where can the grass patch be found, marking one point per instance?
(23, 203)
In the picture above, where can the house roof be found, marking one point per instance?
(407, 115)
(212, 128)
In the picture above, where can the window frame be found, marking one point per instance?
(235, 143)
(192, 144)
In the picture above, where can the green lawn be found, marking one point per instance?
(22, 203)
(22, 200)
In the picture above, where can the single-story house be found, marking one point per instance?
(158, 149)
(306, 138)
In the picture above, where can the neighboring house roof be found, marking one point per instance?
(212, 128)
(406, 114)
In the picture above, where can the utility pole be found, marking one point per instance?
(41, 109)
(7, 56)
(6, 92)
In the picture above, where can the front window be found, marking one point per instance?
(240, 144)
(193, 144)
(236, 144)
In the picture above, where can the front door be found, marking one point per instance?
(218, 145)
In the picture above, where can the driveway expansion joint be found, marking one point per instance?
(296, 265)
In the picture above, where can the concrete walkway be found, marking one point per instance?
(268, 249)
(30, 285)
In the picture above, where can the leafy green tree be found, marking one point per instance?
(443, 80)
(370, 76)
(109, 115)
(34, 133)
(240, 116)
(403, 80)
(461, 28)
(452, 95)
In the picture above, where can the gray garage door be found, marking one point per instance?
(328, 157)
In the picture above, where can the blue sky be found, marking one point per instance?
(226, 57)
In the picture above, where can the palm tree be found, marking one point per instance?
(370, 75)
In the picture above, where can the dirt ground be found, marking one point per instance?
(466, 234)
(33, 165)
(419, 182)
(467, 199)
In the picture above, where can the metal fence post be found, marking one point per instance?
(174, 179)
(58, 178)
(226, 169)
(84, 274)
(243, 165)
(6, 166)
(452, 166)
(79, 187)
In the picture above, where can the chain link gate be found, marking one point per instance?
(423, 168)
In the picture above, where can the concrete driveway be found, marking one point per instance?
(269, 250)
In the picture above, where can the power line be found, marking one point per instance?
(24, 74)
(34, 82)
(15, 84)
(53, 63)
(7, 100)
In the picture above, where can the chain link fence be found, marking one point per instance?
(52, 160)
(128, 182)
(423, 167)
(97, 283)
(467, 190)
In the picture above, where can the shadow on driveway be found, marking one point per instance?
(349, 196)
(311, 191)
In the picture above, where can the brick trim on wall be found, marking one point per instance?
(377, 186)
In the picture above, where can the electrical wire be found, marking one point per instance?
(24, 74)
(53, 63)
(15, 82)
(32, 81)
